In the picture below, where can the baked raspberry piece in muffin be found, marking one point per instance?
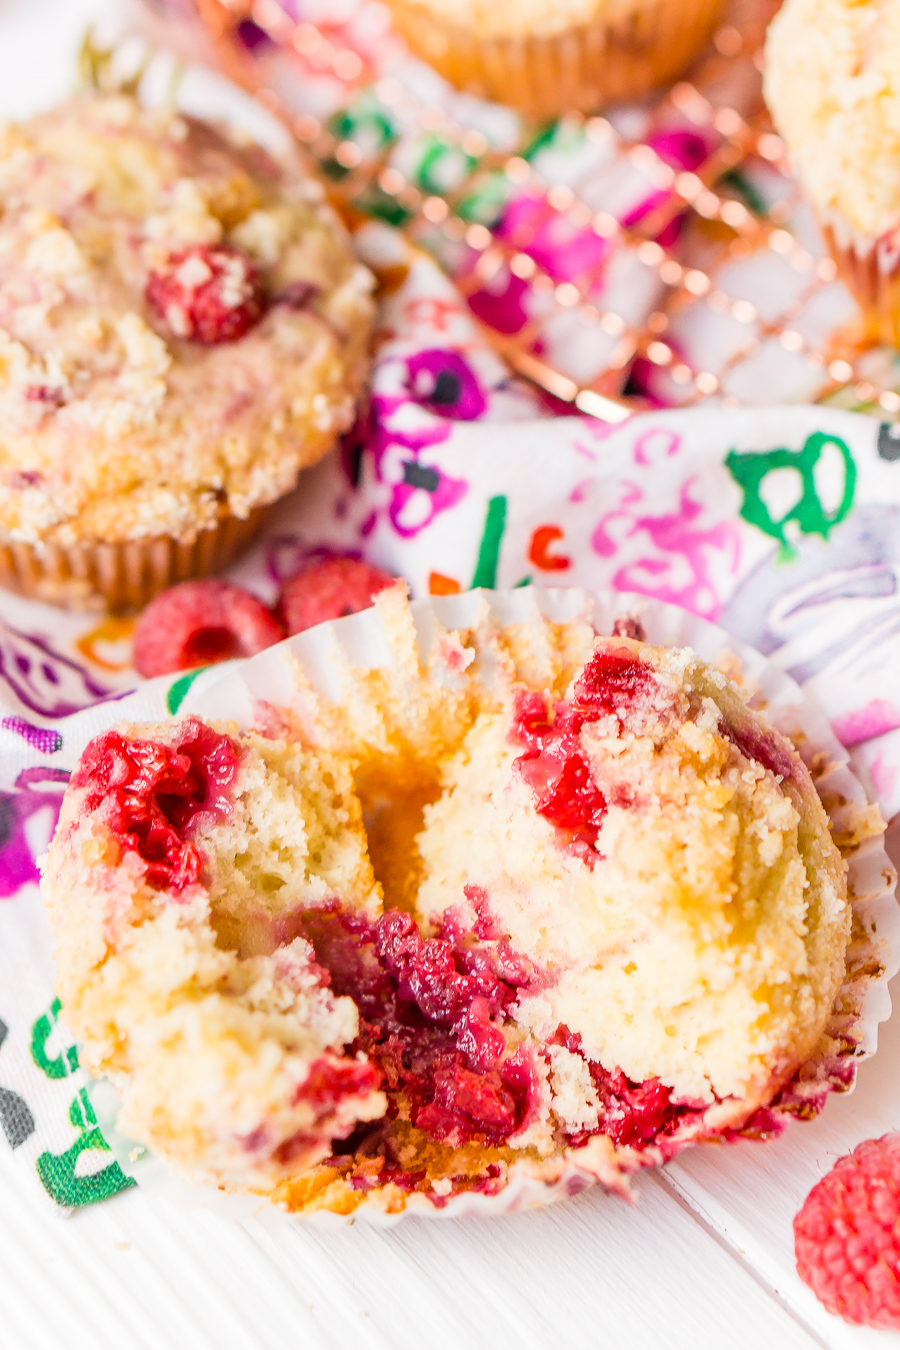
(183, 857)
(183, 329)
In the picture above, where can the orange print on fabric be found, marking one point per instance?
(440, 585)
(111, 631)
(539, 551)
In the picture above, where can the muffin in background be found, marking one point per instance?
(832, 83)
(552, 56)
(183, 328)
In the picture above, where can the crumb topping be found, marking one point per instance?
(534, 18)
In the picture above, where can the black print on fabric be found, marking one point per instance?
(889, 441)
(15, 1117)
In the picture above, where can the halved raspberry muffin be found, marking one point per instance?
(609, 917)
(183, 328)
(183, 857)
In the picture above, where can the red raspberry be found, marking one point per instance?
(847, 1236)
(329, 590)
(197, 623)
(207, 294)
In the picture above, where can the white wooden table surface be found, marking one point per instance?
(703, 1259)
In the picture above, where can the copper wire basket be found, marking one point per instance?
(738, 290)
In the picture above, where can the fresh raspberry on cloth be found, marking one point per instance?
(207, 294)
(329, 590)
(199, 622)
(847, 1236)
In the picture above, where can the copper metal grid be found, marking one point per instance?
(722, 99)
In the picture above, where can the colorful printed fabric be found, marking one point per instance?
(658, 250)
(781, 524)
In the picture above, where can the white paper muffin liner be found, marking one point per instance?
(863, 1001)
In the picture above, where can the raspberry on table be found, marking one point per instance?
(329, 590)
(207, 294)
(847, 1236)
(197, 623)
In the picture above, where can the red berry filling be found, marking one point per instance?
(153, 796)
(329, 1083)
(630, 1113)
(553, 764)
(433, 1018)
(207, 294)
(431, 1012)
(765, 747)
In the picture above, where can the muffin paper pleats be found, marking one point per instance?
(779, 524)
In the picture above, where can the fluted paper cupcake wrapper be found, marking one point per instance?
(613, 59)
(127, 575)
(862, 1004)
(870, 269)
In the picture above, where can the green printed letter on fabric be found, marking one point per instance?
(62, 1064)
(59, 1171)
(751, 471)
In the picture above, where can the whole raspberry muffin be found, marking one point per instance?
(839, 113)
(605, 916)
(183, 328)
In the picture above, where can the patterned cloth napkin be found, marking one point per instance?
(782, 524)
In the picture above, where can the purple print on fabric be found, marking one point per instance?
(44, 739)
(876, 718)
(44, 681)
(442, 382)
(404, 425)
(17, 859)
(674, 556)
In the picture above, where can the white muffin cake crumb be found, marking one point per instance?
(704, 944)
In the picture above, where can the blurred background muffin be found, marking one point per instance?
(183, 328)
(832, 83)
(554, 56)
